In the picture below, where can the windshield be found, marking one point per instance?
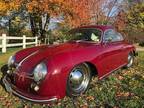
(87, 34)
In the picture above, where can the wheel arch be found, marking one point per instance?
(93, 68)
(93, 72)
(134, 53)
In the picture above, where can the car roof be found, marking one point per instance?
(102, 27)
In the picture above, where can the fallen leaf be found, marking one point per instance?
(90, 98)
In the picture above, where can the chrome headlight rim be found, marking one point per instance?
(11, 61)
(40, 72)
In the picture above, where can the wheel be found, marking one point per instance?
(78, 80)
(130, 60)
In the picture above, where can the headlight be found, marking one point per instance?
(11, 60)
(40, 72)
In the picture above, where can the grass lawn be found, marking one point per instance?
(122, 89)
(4, 57)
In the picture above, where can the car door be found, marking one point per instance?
(111, 57)
(119, 40)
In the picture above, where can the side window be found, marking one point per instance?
(108, 36)
(119, 37)
(87, 34)
(112, 36)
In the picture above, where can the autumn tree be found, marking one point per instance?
(136, 17)
(8, 12)
(130, 20)
(39, 12)
(74, 12)
(80, 12)
(104, 11)
(132, 16)
(96, 11)
(7, 6)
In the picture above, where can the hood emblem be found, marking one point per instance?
(21, 76)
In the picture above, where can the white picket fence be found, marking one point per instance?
(24, 43)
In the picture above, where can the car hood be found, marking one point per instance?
(29, 58)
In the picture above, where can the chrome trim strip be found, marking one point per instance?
(34, 100)
(26, 98)
(112, 71)
(27, 58)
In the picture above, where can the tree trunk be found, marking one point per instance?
(33, 28)
(9, 24)
(38, 26)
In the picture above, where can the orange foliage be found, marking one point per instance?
(81, 12)
(121, 21)
(96, 10)
(7, 6)
(76, 12)
(47, 6)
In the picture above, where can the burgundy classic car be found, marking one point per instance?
(47, 73)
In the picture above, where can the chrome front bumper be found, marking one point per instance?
(9, 88)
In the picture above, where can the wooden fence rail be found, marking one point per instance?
(4, 44)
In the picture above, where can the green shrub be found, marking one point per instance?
(141, 44)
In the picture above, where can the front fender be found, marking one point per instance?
(59, 67)
(58, 71)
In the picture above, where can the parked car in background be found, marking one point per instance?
(47, 73)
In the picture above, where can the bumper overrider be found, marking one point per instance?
(11, 88)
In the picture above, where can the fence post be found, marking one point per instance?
(36, 41)
(4, 43)
(24, 41)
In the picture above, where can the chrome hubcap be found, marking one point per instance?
(130, 61)
(76, 78)
(79, 79)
